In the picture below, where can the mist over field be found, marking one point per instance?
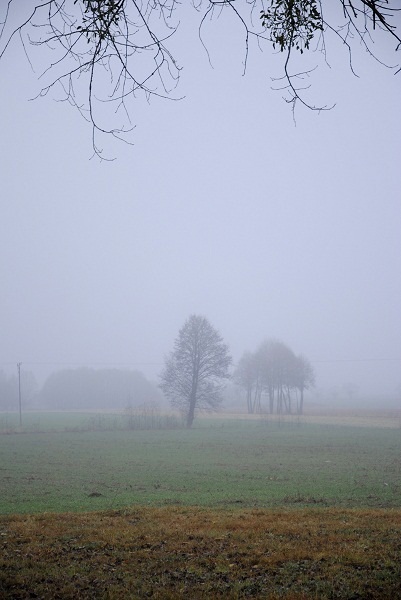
(200, 329)
(223, 207)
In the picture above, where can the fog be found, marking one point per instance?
(222, 207)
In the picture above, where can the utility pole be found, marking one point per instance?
(19, 393)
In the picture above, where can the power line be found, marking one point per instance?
(85, 363)
(339, 360)
(161, 364)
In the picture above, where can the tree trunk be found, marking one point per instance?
(190, 417)
(271, 400)
(301, 403)
(249, 401)
(192, 401)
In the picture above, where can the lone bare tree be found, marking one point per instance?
(194, 373)
(104, 53)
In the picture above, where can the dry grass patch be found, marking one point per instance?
(202, 553)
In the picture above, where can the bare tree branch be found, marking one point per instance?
(129, 42)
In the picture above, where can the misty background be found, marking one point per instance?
(222, 207)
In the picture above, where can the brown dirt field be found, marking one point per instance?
(175, 552)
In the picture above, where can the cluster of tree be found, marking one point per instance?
(193, 380)
(196, 370)
(274, 379)
(86, 388)
(131, 42)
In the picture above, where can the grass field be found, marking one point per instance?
(234, 508)
(219, 463)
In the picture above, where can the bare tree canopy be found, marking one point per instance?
(104, 53)
(273, 373)
(194, 372)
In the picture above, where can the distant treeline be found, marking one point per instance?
(100, 388)
(76, 389)
(273, 378)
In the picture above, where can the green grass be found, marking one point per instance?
(220, 463)
(46, 422)
(231, 509)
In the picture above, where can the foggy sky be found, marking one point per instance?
(223, 207)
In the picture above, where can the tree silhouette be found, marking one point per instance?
(129, 41)
(195, 371)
